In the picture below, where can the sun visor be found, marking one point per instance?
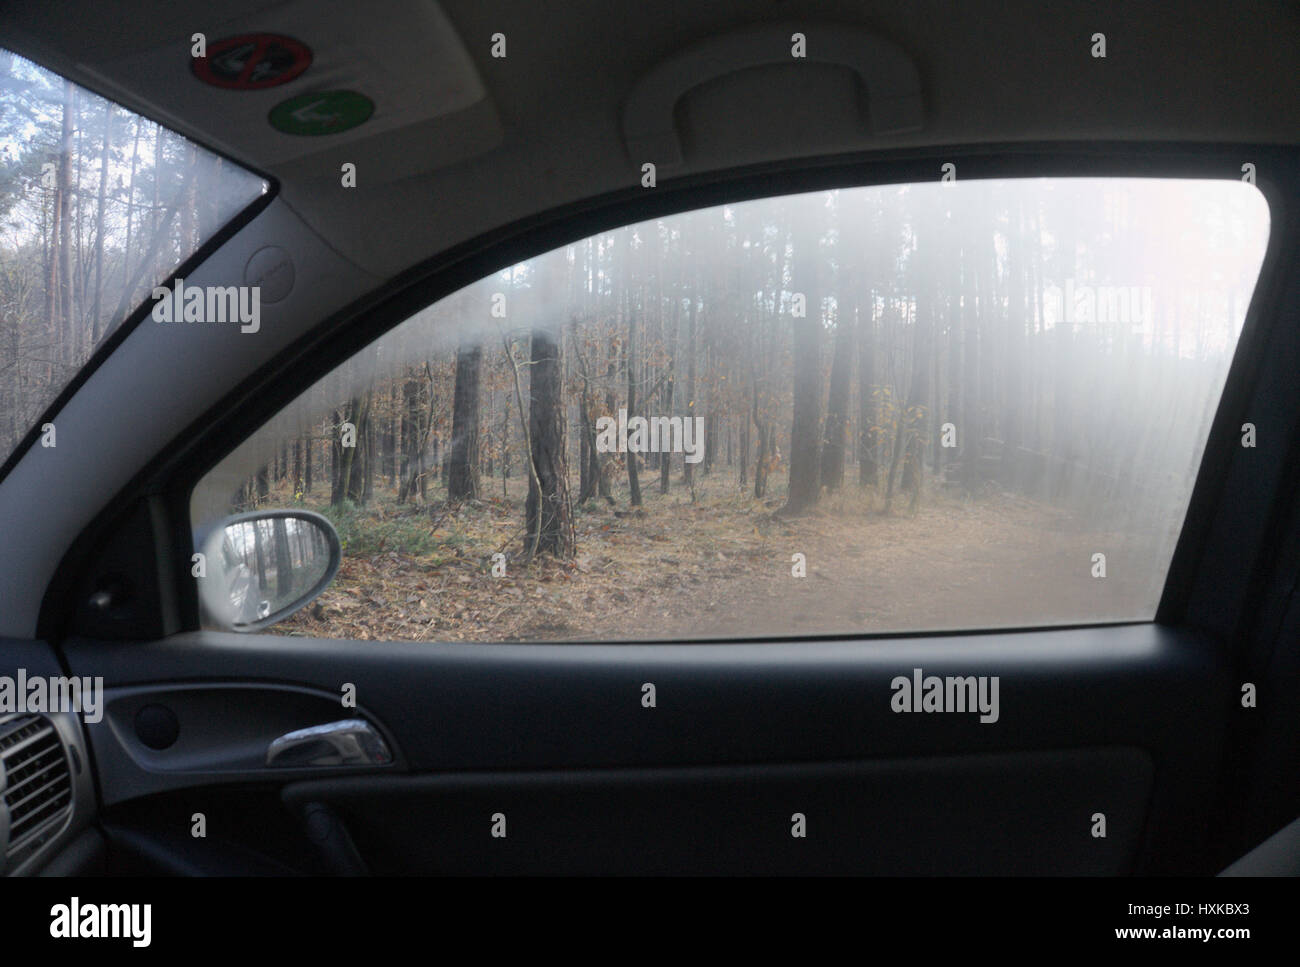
(313, 76)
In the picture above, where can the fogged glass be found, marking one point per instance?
(903, 408)
(97, 206)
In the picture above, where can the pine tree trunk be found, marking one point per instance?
(63, 231)
(805, 424)
(868, 428)
(97, 304)
(548, 520)
(463, 473)
(837, 407)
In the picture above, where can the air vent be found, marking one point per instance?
(35, 779)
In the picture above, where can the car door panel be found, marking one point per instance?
(740, 737)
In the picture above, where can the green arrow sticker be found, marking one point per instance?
(323, 112)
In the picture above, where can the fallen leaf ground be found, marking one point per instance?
(719, 566)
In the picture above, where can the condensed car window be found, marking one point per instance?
(97, 206)
(918, 407)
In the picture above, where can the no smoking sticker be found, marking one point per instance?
(323, 112)
(252, 62)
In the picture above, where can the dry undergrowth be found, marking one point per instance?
(720, 566)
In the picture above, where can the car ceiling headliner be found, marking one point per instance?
(1015, 71)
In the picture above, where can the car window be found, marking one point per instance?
(904, 408)
(97, 206)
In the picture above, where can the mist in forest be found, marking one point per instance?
(1066, 340)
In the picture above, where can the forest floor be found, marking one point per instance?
(721, 566)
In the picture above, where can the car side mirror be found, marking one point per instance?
(262, 566)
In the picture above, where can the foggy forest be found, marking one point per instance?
(919, 406)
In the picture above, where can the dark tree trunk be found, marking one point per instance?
(586, 476)
(868, 428)
(744, 453)
(590, 468)
(764, 429)
(354, 461)
(463, 477)
(837, 407)
(691, 410)
(412, 438)
(336, 462)
(263, 484)
(371, 453)
(805, 425)
(666, 459)
(259, 553)
(633, 478)
(355, 457)
(394, 433)
(611, 409)
(546, 513)
(283, 568)
(711, 423)
(505, 446)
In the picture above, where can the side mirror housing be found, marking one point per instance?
(264, 565)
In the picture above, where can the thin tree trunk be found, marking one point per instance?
(100, 221)
(63, 229)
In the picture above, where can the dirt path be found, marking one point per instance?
(723, 569)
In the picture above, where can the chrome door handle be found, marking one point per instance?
(350, 742)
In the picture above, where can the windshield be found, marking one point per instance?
(97, 206)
